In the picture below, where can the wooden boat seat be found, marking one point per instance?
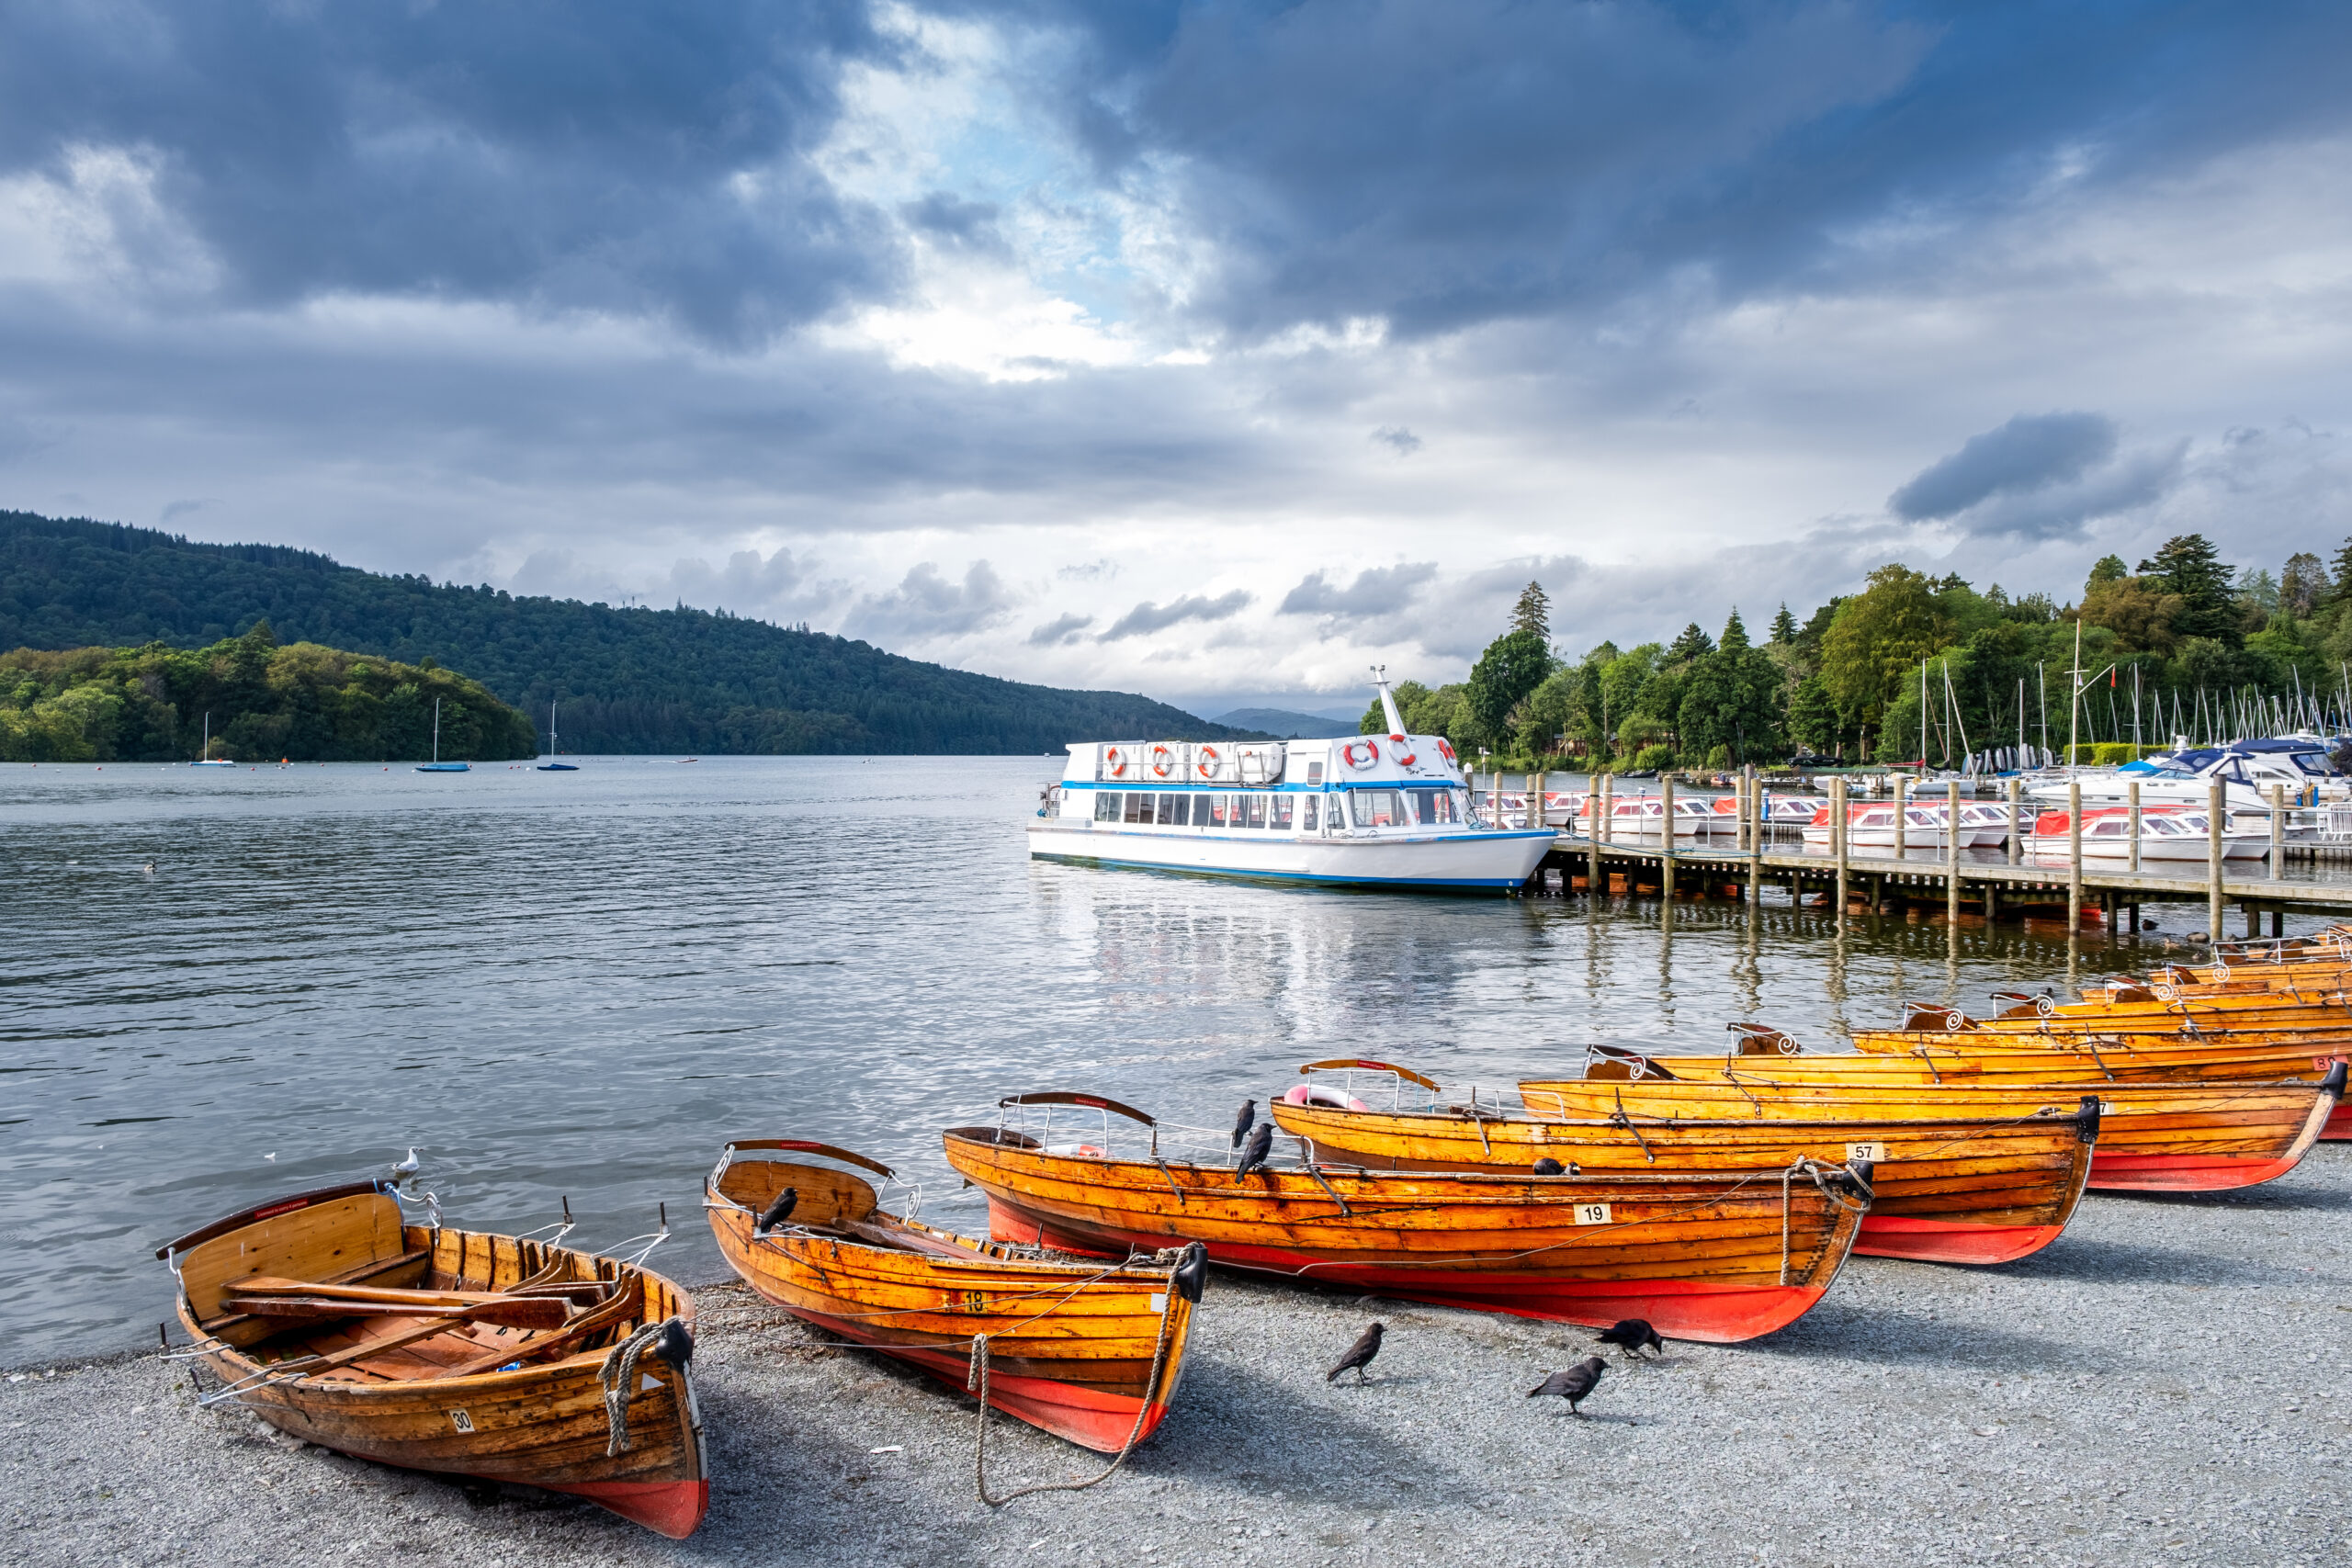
(410, 1264)
(902, 1239)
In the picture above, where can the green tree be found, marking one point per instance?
(1533, 613)
(1513, 665)
(1784, 627)
(2109, 569)
(1871, 651)
(2188, 568)
(1730, 700)
(2303, 584)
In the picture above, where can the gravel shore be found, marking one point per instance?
(2165, 1384)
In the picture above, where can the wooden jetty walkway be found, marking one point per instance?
(1986, 883)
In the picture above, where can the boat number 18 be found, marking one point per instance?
(1592, 1213)
(1874, 1152)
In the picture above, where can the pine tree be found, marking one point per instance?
(2303, 584)
(2343, 589)
(1784, 626)
(1734, 634)
(2188, 566)
(1693, 644)
(1534, 611)
(2109, 569)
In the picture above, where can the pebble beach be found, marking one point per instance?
(2165, 1384)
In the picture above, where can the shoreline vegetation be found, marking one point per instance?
(631, 679)
(2183, 645)
(302, 703)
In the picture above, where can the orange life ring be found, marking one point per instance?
(1445, 749)
(1162, 759)
(1348, 754)
(1115, 762)
(1080, 1151)
(1207, 760)
(1405, 759)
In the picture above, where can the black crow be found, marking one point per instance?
(1629, 1334)
(1360, 1354)
(1253, 1152)
(1573, 1384)
(1241, 1120)
(780, 1210)
(1547, 1166)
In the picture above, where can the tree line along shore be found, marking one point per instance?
(2181, 644)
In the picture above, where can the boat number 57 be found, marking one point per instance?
(1874, 1152)
(1592, 1213)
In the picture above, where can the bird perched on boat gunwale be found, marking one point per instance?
(1630, 1334)
(1241, 1120)
(1359, 1355)
(1254, 1151)
(1572, 1384)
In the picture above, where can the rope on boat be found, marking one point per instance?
(1805, 1165)
(619, 1378)
(976, 1381)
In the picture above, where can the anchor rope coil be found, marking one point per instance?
(619, 1378)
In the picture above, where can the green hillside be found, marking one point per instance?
(630, 680)
(255, 699)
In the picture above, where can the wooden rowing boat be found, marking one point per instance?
(448, 1350)
(2152, 1138)
(1986, 1188)
(1089, 1353)
(2235, 1021)
(1712, 1256)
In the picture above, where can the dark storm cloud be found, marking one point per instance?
(2031, 452)
(642, 159)
(1439, 164)
(1150, 618)
(1377, 591)
(927, 604)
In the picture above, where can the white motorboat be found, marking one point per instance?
(2167, 833)
(1378, 810)
(1870, 824)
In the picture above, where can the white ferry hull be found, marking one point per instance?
(1440, 861)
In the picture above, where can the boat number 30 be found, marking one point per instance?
(1874, 1152)
(1592, 1213)
(461, 1421)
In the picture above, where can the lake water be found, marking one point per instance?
(580, 984)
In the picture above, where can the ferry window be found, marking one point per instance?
(1314, 775)
(1280, 806)
(1257, 817)
(1106, 806)
(1218, 807)
(1431, 807)
(1377, 809)
(1138, 808)
(1173, 809)
(1308, 809)
(1460, 804)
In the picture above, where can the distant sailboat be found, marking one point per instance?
(438, 765)
(204, 758)
(551, 765)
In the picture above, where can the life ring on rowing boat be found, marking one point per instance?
(1321, 1094)
(1078, 1151)
(1349, 753)
(1445, 749)
(1207, 760)
(1115, 762)
(1162, 759)
(1399, 748)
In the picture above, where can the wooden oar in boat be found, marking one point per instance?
(395, 1357)
(1719, 1258)
(1087, 1352)
(1965, 1188)
(2152, 1138)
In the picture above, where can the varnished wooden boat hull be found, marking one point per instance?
(1071, 1346)
(1990, 1189)
(543, 1426)
(1702, 1258)
(2154, 1137)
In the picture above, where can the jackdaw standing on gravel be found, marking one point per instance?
(1631, 1334)
(1241, 1120)
(1574, 1384)
(1253, 1152)
(1360, 1354)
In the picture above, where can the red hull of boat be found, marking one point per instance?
(2183, 1173)
(2339, 1125)
(666, 1507)
(1946, 1241)
(1086, 1416)
(1679, 1309)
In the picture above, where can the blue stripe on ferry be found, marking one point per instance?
(1284, 876)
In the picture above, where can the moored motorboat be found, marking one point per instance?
(2167, 833)
(1087, 1353)
(2152, 1138)
(506, 1358)
(1871, 825)
(1960, 1189)
(1712, 1256)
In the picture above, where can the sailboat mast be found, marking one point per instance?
(437, 729)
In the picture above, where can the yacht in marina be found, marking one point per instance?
(1374, 811)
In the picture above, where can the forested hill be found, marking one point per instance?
(630, 680)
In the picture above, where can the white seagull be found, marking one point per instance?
(409, 1165)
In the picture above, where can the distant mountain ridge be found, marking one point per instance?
(628, 680)
(1288, 724)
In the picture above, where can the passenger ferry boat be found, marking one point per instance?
(1376, 810)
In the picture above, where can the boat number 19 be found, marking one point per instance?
(1592, 1213)
(1874, 1152)
(461, 1421)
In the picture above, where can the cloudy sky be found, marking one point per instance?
(1208, 350)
